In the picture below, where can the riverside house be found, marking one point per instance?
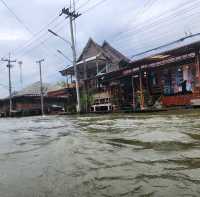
(95, 61)
(163, 80)
(167, 79)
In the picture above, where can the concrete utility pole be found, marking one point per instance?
(9, 61)
(72, 15)
(39, 62)
(20, 70)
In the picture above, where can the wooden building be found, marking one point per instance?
(167, 79)
(94, 62)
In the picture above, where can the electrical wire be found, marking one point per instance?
(158, 19)
(165, 24)
(25, 26)
(94, 6)
(166, 45)
(168, 23)
(33, 41)
(15, 16)
(83, 4)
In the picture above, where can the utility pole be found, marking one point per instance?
(9, 66)
(72, 15)
(20, 70)
(39, 62)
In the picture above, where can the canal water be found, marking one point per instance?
(107, 155)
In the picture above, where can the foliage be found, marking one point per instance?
(62, 84)
(86, 99)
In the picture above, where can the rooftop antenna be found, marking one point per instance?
(187, 31)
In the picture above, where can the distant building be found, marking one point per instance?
(27, 101)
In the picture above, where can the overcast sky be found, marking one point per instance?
(132, 26)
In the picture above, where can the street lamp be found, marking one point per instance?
(55, 34)
(72, 46)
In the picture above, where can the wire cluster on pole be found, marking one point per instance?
(69, 13)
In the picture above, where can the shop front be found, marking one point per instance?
(171, 78)
(168, 79)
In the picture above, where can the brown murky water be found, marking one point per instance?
(110, 155)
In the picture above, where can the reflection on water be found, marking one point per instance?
(110, 155)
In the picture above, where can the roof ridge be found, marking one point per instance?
(99, 47)
(114, 50)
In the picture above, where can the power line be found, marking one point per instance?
(35, 35)
(90, 8)
(141, 12)
(147, 5)
(16, 17)
(33, 40)
(94, 6)
(29, 44)
(42, 42)
(83, 4)
(149, 30)
(158, 26)
(24, 25)
(158, 22)
(148, 42)
(166, 45)
(158, 18)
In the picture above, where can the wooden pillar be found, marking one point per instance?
(85, 71)
(67, 82)
(97, 67)
(197, 69)
(133, 90)
(147, 81)
(106, 67)
(71, 78)
(85, 86)
(141, 90)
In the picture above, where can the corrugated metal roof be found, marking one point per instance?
(34, 89)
